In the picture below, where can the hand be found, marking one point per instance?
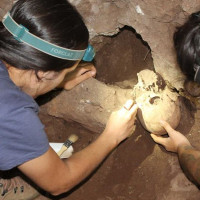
(121, 123)
(80, 74)
(174, 141)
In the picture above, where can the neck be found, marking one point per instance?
(22, 79)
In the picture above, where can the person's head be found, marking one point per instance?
(187, 45)
(55, 21)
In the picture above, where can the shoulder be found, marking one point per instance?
(12, 98)
(22, 133)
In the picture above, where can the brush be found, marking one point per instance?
(72, 139)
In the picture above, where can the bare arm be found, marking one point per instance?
(189, 158)
(57, 176)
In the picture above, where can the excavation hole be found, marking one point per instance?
(119, 58)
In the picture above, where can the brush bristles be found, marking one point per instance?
(73, 138)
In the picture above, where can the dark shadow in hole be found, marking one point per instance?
(43, 99)
(122, 56)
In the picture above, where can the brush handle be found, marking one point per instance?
(72, 138)
(63, 148)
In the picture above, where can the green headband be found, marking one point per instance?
(22, 34)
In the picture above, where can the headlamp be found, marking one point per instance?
(22, 34)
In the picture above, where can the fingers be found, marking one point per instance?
(134, 108)
(131, 107)
(167, 143)
(87, 69)
(128, 104)
(167, 127)
(84, 73)
(158, 139)
(84, 77)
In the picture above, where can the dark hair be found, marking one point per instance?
(187, 45)
(55, 21)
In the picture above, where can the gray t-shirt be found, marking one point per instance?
(22, 136)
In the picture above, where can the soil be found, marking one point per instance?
(137, 169)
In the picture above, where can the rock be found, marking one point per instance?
(89, 103)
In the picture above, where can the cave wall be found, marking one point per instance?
(154, 20)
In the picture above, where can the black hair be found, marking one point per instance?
(187, 45)
(55, 21)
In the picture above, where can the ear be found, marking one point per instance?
(46, 75)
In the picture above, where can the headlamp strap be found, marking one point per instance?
(22, 34)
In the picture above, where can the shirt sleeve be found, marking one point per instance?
(22, 135)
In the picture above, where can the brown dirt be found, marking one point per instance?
(137, 169)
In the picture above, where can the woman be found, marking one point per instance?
(40, 42)
(187, 45)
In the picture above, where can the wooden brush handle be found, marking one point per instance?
(63, 148)
(72, 138)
